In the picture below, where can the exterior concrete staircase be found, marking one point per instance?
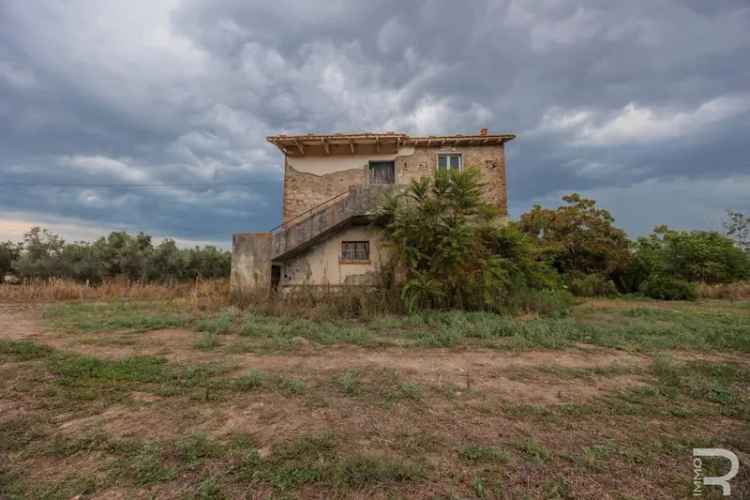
(355, 206)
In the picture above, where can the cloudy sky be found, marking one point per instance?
(152, 114)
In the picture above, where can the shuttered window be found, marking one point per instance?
(355, 251)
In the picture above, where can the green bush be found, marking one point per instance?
(549, 302)
(9, 252)
(669, 288)
(699, 256)
(636, 272)
(453, 250)
(590, 285)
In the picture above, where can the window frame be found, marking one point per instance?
(448, 154)
(344, 260)
(371, 170)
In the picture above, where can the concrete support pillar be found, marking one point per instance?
(251, 263)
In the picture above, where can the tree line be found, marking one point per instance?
(449, 249)
(453, 253)
(43, 255)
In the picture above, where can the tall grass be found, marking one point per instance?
(200, 293)
(324, 302)
(739, 290)
(320, 303)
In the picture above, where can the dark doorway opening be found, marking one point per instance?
(275, 277)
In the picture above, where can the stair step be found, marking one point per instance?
(357, 206)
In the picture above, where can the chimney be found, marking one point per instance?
(483, 131)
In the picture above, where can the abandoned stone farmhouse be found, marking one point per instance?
(332, 185)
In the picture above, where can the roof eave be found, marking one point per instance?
(295, 144)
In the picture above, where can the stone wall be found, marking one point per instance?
(310, 181)
(303, 191)
(490, 160)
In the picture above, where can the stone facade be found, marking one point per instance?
(490, 160)
(303, 190)
(308, 182)
(328, 203)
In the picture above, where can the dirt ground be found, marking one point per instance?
(480, 369)
(467, 397)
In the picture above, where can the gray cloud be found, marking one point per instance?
(644, 103)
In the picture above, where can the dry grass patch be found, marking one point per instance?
(199, 294)
(731, 291)
(157, 417)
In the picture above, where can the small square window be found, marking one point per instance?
(449, 161)
(355, 251)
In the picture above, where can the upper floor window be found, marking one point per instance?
(450, 161)
(382, 172)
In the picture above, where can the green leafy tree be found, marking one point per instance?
(705, 256)
(206, 263)
(41, 257)
(9, 253)
(44, 255)
(737, 226)
(451, 248)
(165, 263)
(578, 238)
(125, 255)
(80, 262)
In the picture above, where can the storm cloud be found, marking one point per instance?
(152, 116)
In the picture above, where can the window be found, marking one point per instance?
(382, 172)
(355, 251)
(449, 161)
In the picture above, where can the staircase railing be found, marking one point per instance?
(308, 227)
(303, 215)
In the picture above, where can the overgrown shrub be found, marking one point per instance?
(8, 253)
(698, 256)
(545, 302)
(590, 285)
(669, 288)
(636, 272)
(454, 252)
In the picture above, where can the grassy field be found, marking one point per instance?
(159, 399)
